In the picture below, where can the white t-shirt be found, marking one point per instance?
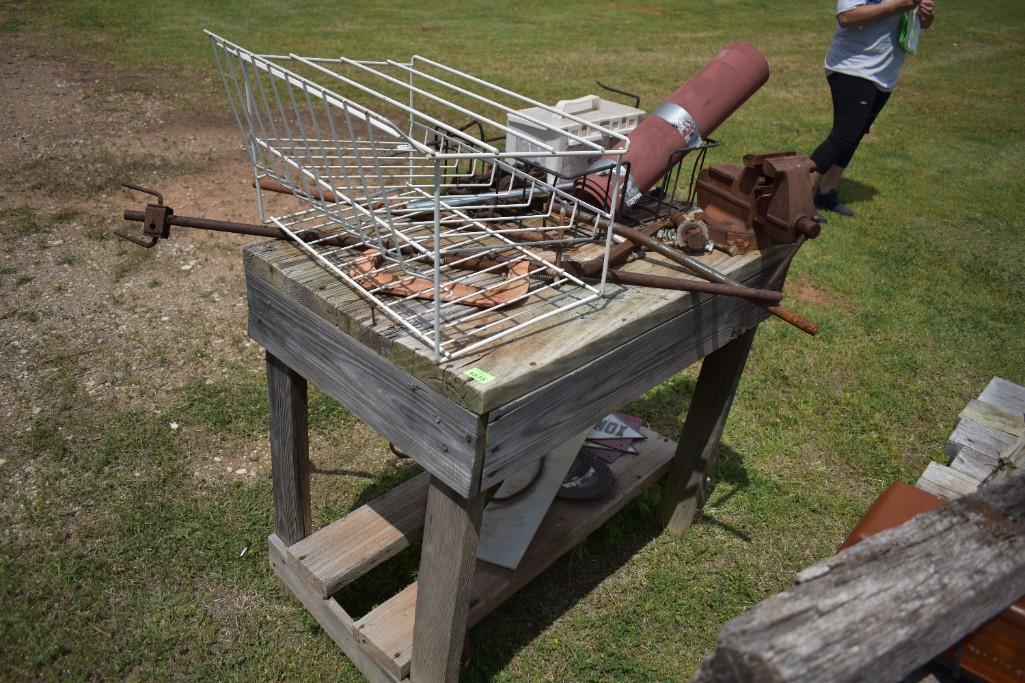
(870, 51)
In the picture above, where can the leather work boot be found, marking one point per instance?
(830, 202)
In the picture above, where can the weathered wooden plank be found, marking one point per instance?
(684, 490)
(991, 417)
(974, 464)
(1012, 460)
(517, 432)
(438, 434)
(546, 354)
(328, 613)
(520, 363)
(982, 438)
(387, 632)
(351, 546)
(945, 482)
(289, 451)
(1004, 395)
(879, 609)
(451, 534)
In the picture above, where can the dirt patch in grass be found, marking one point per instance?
(128, 326)
(809, 293)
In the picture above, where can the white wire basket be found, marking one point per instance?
(405, 197)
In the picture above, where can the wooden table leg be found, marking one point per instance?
(447, 564)
(684, 491)
(289, 451)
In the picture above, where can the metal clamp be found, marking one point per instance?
(156, 222)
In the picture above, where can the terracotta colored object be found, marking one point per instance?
(689, 115)
(996, 650)
(364, 271)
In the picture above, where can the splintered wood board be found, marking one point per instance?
(946, 482)
(520, 363)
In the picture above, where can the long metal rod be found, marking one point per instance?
(679, 284)
(713, 275)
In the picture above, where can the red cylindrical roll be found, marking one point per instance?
(692, 112)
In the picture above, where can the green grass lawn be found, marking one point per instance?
(129, 570)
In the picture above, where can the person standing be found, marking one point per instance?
(862, 67)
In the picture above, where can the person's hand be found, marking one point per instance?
(904, 5)
(926, 12)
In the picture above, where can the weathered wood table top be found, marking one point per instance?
(549, 379)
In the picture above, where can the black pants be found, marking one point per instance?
(856, 103)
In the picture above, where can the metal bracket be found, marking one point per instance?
(156, 222)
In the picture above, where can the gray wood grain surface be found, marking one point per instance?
(946, 482)
(1005, 395)
(524, 429)
(289, 451)
(447, 561)
(328, 613)
(351, 546)
(879, 609)
(440, 435)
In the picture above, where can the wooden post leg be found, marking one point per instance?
(684, 491)
(447, 564)
(289, 451)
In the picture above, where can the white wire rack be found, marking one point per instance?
(406, 198)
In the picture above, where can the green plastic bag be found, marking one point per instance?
(910, 31)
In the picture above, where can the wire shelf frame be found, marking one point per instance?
(454, 239)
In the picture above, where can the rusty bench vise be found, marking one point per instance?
(767, 201)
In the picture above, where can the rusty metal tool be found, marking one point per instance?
(766, 201)
(679, 284)
(618, 254)
(640, 239)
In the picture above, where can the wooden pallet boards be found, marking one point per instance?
(983, 442)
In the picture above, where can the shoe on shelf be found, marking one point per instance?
(830, 202)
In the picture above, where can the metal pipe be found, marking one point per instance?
(687, 116)
(678, 284)
(701, 269)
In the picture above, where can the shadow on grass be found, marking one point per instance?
(853, 191)
(531, 611)
(727, 469)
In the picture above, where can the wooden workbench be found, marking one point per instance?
(550, 381)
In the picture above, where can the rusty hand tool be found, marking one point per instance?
(640, 239)
(617, 255)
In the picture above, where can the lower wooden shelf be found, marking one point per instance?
(339, 553)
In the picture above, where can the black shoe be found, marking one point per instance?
(830, 202)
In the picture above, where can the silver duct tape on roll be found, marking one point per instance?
(680, 119)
